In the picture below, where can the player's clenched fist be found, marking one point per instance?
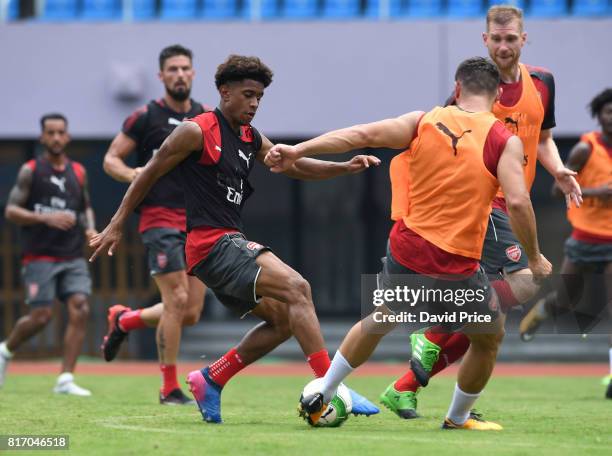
(540, 268)
(281, 157)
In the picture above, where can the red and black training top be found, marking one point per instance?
(54, 190)
(216, 178)
(149, 126)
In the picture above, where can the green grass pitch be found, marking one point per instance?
(544, 415)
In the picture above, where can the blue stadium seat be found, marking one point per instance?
(518, 3)
(424, 8)
(219, 9)
(59, 10)
(341, 9)
(269, 9)
(592, 7)
(300, 9)
(13, 10)
(548, 8)
(179, 10)
(143, 10)
(464, 8)
(394, 8)
(101, 10)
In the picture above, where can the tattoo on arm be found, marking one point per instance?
(21, 191)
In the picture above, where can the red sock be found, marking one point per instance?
(438, 335)
(507, 300)
(225, 367)
(169, 379)
(319, 362)
(131, 320)
(455, 348)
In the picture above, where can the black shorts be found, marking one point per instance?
(471, 294)
(47, 280)
(231, 272)
(502, 252)
(165, 250)
(583, 253)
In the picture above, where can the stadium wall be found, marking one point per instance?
(328, 74)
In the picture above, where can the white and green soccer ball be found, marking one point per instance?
(339, 407)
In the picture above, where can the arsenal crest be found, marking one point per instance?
(514, 253)
(32, 290)
(162, 260)
(253, 246)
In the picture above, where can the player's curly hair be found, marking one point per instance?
(240, 67)
(600, 100)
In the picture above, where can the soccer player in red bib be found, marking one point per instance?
(443, 186)
(215, 152)
(526, 106)
(50, 201)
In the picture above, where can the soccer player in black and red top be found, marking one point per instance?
(162, 222)
(215, 153)
(526, 107)
(50, 201)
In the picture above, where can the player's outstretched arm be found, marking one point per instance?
(548, 156)
(17, 213)
(114, 160)
(518, 202)
(185, 139)
(311, 169)
(394, 133)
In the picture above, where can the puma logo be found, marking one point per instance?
(244, 157)
(512, 125)
(60, 182)
(454, 139)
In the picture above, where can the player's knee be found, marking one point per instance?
(522, 286)
(488, 343)
(177, 305)
(298, 290)
(42, 316)
(78, 308)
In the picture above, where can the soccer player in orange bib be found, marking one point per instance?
(456, 159)
(589, 248)
(526, 108)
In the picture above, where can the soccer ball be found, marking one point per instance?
(338, 409)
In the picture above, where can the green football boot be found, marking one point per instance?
(402, 403)
(424, 356)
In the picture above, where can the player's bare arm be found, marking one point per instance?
(520, 210)
(394, 133)
(578, 157)
(17, 213)
(548, 156)
(88, 216)
(185, 139)
(114, 160)
(310, 169)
